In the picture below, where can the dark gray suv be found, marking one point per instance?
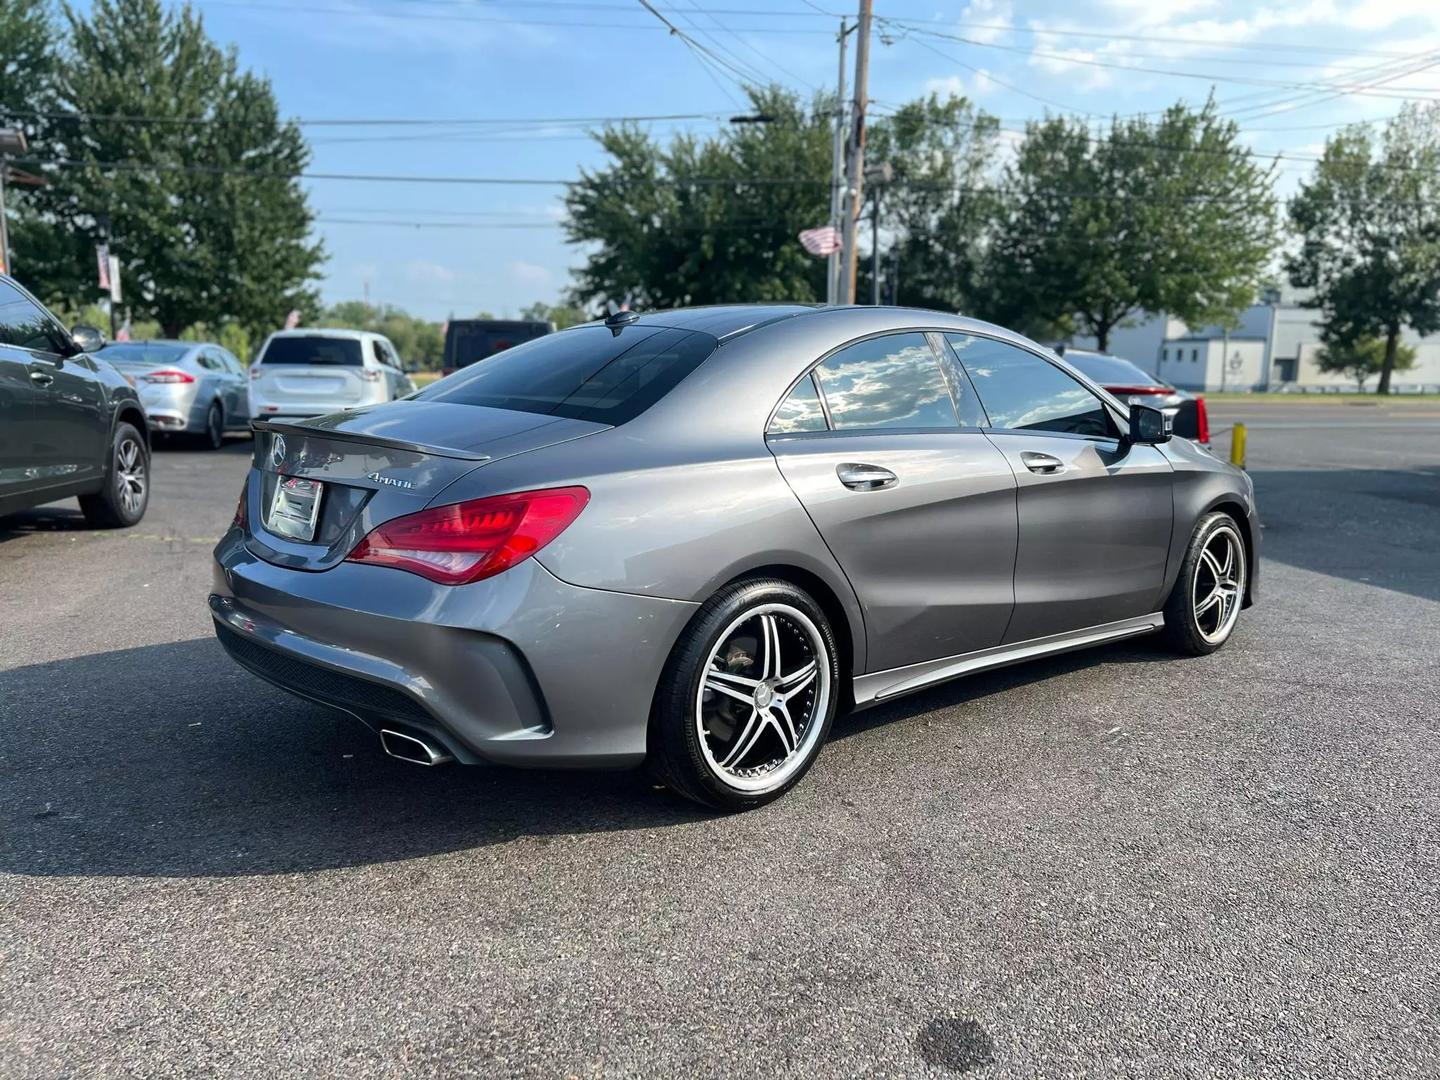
(69, 424)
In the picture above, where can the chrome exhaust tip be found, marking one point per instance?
(413, 749)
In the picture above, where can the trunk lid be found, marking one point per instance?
(379, 463)
(290, 383)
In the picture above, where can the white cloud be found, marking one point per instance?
(950, 85)
(989, 18)
(528, 272)
(420, 270)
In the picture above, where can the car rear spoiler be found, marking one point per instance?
(299, 427)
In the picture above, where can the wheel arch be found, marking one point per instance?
(132, 414)
(1235, 509)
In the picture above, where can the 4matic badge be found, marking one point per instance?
(389, 481)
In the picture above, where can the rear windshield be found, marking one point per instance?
(317, 351)
(1111, 370)
(466, 342)
(586, 373)
(143, 352)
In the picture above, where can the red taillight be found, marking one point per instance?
(242, 511)
(255, 371)
(1202, 421)
(465, 542)
(167, 375)
(370, 375)
(1130, 391)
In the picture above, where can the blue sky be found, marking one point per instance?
(523, 60)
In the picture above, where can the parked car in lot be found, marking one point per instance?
(70, 424)
(1130, 382)
(189, 388)
(300, 373)
(691, 537)
(469, 340)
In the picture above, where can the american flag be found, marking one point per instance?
(822, 241)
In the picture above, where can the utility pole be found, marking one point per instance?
(855, 173)
(12, 140)
(875, 246)
(837, 174)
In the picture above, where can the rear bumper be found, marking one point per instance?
(264, 408)
(520, 669)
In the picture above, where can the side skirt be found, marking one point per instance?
(883, 685)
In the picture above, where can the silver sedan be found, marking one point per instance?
(691, 538)
(188, 388)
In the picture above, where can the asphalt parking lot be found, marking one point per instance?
(1112, 863)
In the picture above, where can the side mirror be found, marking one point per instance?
(411, 369)
(87, 339)
(1148, 425)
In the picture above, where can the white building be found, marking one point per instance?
(1272, 348)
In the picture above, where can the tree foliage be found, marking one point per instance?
(562, 315)
(705, 221)
(1173, 215)
(1362, 358)
(197, 242)
(416, 340)
(1369, 228)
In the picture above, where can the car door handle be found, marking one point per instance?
(41, 378)
(861, 477)
(1044, 464)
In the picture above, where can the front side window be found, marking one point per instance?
(801, 411)
(1023, 392)
(887, 382)
(26, 326)
(586, 373)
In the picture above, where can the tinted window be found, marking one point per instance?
(143, 352)
(469, 340)
(801, 411)
(1110, 370)
(587, 373)
(1023, 391)
(340, 352)
(26, 326)
(887, 382)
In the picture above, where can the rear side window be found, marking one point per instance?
(887, 382)
(801, 411)
(586, 373)
(313, 351)
(1111, 370)
(1024, 392)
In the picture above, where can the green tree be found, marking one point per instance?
(1362, 358)
(562, 315)
(706, 220)
(180, 157)
(1174, 215)
(1369, 227)
(941, 203)
(27, 60)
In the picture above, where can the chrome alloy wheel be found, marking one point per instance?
(760, 707)
(130, 476)
(1219, 584)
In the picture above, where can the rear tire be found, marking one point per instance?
(213, 437)
(1203, 607)
(747, 697)
(121, 502)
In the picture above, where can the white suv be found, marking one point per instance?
(313, 372)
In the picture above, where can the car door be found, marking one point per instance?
(71, 412)
(238, 414)
(229, 386)
(1095, 511)
(18, 453)
(885, 452)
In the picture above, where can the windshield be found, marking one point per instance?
(1111, 370)
(586, 373)
(313, 351)
(143, 352)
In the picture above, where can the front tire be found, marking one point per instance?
(126, 493)
(747, 697)
(1203, 607)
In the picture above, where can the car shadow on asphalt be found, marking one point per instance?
(169, 761)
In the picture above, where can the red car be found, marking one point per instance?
(1131, 382)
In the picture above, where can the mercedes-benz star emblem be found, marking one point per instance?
(277, 451)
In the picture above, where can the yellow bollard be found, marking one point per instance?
(1237, 446)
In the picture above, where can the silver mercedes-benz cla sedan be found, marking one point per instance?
(690, 538)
